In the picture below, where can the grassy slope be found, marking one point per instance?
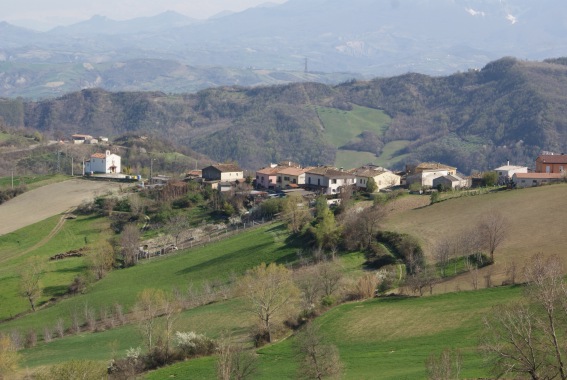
(536, 218)
(344, 126)
(16, 247)
(382, 338)
(32, 181)
(215, 261)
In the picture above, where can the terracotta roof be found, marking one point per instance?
(227, 168)
(433, 166)
(365, 172)
(539, 175)
(553, 158)
(330, 172)
(293, 171)
(98, 155)
(269, 171)
(196, 172)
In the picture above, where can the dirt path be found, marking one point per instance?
(44, 202)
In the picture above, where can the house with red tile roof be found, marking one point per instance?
(103, 163)
(551, 163)
(328, 180)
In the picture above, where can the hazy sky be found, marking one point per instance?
(45, 14)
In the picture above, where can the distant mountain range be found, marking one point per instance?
(509, 110)
(364, 38)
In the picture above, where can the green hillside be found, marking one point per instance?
(383, 338)
(508, 110)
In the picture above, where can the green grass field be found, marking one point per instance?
(18, 246)
(387, 338)
(343, 126)
(218, 260)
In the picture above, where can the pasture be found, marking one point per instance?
(535, 216)
(386, 338)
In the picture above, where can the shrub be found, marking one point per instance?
(328, 301)
(193, 344)
(75, 369)
(366, 286)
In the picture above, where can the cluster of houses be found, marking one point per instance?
(288, 175)
(328, 180)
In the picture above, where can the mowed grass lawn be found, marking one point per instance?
(536, 218)
(18, 246)
(387, 338)
(219, 260)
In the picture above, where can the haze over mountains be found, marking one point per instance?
(359, 38)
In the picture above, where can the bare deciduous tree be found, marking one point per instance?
(270, 292)
(130, 241)
(149, 305)
(528, 338)
(295, 212)
(101, 259)
(309, 285)
(234, 361)
(319, 359)
(446, 366)
(176, 225)
(330, 276)
(30, 280)
(493, 229)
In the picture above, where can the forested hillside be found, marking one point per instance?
(509, 110)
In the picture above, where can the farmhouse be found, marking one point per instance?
(450, 182)
(382, 177)
(81, 139)
(551, 163)
(292, 177)
(328, 180)
(103, 163)
(267, 177)
(536, 179)
(507, 171)
(223, 172)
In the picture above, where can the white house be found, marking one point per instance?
(425, 178)
(103, 163)
(507, 171)
(383, 178)
(329, 180)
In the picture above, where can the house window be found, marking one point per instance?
(294, 180)
(548, 169)
(318, 181)
(279, 179)
(334, 181)
(309, 180)
(286, 178)
(561, 168)
(257, 177)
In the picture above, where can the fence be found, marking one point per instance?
(214, 236)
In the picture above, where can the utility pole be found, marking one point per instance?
(58, 162)
(306, 60)
(71, 166)
(151, 168)
(12, 178)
